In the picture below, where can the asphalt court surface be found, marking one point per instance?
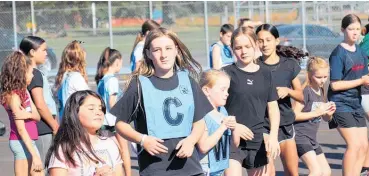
(330, 140)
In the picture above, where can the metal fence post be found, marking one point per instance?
(206, 32)
(15, 25)
(93, 8)
(150, 9)
(33, 19)
(316, 11)
(250, 5)
(110, 25)
(303, 20)
(329, 15)
(225, 17)
(267, 17)
(260, 11)
(235, 10)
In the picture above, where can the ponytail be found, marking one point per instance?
(290, 51)
(106, 60)
(284, 51)
(147, 26)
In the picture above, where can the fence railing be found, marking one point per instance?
(312, 26)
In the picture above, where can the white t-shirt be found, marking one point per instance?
(106, 149)
(76, 83)
(138, 51)
(112, 86)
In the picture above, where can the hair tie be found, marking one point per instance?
(19, 50)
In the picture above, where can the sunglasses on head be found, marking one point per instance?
(78, 41)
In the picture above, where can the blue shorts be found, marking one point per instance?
(20, 150)
(206, 169)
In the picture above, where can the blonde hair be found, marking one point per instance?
(183, 60)
(314, 64)
(209, 77)
(73, 59)
(249, 33)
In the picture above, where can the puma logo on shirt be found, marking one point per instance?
(250, 82)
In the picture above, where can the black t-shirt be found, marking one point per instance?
(163, 164)
(283, 73)
(309, 128)
(249, 94)
(37, 81)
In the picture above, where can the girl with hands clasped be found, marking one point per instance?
(78, 148)
(308, 117)
(251, 94)
(16, 75)
(167, 107)
(215, 141)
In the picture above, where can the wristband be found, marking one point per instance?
(142, 140)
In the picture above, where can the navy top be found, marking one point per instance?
(346, 65)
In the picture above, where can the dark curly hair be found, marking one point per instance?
(13, 74)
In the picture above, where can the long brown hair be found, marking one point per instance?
(73, 59)
(13, 74)
(184, 59)
(72, 137)
(107, 58)
(148, 25)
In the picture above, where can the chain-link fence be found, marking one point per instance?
(313, 26)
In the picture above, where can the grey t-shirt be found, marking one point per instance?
(306, 131)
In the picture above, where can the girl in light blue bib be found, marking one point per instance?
(215, 142)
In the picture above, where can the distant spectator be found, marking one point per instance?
(247, 22)
(221, 52)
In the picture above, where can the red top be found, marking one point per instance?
(31, 126)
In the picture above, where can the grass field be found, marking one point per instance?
(194, 39)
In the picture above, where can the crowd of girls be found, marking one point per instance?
(244, 112)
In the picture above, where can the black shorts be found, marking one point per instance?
(286, 132)
(304, 148)
(348, 120)
(249, 158)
